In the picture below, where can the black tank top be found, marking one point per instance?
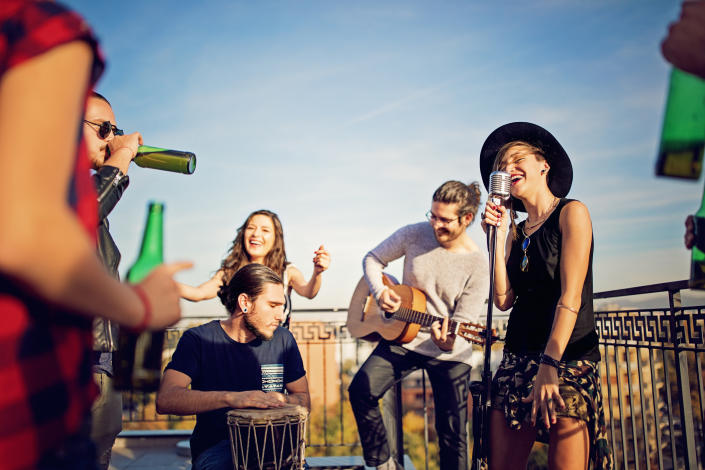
(537, 292)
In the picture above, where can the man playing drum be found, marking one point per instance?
(246, 361)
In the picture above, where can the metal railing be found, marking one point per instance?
(651, 370)
(331, 357)
(652, 380)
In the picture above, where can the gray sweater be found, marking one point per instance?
(456, 284)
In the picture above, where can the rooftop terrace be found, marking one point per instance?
(652, 384)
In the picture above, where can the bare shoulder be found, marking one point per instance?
(292, 272)
(575, 214)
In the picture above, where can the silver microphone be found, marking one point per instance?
(500, 186)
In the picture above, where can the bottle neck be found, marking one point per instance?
(151, 252)
(152, 246)
(147, 149)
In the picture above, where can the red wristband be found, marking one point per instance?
(147, 309)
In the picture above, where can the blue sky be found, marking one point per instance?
(343, 117)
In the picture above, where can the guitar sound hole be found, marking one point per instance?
(387, 315)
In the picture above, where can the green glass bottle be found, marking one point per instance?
(697, 257)
(683, 133)
(165, 159)
(138, 360)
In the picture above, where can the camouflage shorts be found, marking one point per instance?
(508, 380)
(579, 386)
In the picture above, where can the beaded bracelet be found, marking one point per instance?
(147, 309)
(549, 361)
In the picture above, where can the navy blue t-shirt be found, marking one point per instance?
(216, 362)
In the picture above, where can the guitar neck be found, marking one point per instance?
(421, 318)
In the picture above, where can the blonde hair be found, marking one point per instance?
(517, 147)
(506, 151)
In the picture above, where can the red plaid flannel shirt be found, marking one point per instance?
(46, 386)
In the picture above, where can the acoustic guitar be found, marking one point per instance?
(366, 320)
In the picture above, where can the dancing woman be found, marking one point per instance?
(547, 386)
(261, 240)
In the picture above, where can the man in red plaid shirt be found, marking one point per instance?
(51, 281)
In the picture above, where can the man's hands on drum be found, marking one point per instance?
(496, 215)
(545, 396)
(256, 399)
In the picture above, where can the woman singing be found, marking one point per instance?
(261, 240)
(547, 386)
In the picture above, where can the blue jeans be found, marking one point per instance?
(217, 457)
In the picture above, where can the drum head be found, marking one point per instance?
(259, 415)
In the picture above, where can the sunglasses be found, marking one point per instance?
(105, 128)
(525, 261)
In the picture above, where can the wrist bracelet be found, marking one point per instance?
(574, 310)
(147, 309)
(549, 361)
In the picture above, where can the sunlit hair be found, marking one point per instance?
(95, 94)
(516, 148)
(237, 255)
(467, 196)
(250, 280)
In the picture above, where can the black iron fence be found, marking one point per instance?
(331, 356)
(652, 380)
(652, 385)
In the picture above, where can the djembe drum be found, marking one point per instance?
(269, 439)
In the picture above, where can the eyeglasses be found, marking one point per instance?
(442, 220)
(525, 246)
(105, 128)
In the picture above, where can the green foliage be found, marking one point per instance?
(538, 458)
(414, 442)
(332, 432)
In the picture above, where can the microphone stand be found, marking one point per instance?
(481, 451)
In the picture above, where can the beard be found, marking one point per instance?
(445, 235)
(441, 232)
(256, 331)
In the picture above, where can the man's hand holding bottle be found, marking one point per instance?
(122, 150)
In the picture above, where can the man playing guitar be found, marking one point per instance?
(441, 260)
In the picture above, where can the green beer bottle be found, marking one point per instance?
(164, 159)
(138, 360)
(697, 257)
(683, 133)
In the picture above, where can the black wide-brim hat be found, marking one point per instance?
(560, 176)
